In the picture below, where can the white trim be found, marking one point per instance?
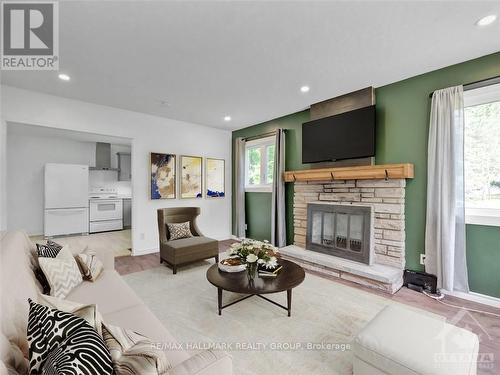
(482, 216)
(260, 141)
(493, 221)
(475, 297)
(258, 189)
(145, 251)
(482, 95)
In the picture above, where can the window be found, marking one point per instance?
(482, 155)
(259, 165)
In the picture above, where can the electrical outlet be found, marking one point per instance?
(142, 236)
(246, 226)
(422, 259)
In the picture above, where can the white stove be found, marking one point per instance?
(106, 210)
(102, 193)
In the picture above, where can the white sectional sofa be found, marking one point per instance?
(115, 300)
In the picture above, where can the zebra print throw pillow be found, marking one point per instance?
(49, 250)
(62, 343)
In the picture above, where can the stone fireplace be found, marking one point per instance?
(340, 230)
(352, 229)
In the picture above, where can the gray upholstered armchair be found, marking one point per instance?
(185, 250)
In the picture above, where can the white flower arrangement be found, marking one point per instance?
(251, 251)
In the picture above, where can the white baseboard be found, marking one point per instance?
(475, 297)
(144, 251)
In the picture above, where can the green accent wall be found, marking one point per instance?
(258, 215)
(483, 259)
(402, 125)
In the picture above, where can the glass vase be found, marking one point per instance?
(251, 271)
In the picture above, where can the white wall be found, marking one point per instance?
(26, 158)
(148, 133)
(27, 153)
(110, 178)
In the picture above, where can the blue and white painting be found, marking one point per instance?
(162, 176)
(215, 178)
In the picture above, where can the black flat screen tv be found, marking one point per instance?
(348, 135)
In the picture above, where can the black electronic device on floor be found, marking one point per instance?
(420, 281)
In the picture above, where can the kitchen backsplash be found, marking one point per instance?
(109, 179)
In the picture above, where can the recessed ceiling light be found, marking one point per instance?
(304, 89)
(64, 77)
(488, 20)
(227, 118)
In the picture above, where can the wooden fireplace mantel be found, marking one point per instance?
(368, 172)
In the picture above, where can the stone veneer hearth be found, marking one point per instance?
(387, 199)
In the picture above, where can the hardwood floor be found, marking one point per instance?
(119, 241)
(454, 309)
(130, 264)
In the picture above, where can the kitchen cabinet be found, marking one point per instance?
(127, 213)
(124, 166)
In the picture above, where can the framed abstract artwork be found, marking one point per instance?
(162, 179)
(191, 177)
(214, 178)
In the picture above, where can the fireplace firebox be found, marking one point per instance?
(340, 230)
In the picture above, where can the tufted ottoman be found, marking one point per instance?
(401, 341)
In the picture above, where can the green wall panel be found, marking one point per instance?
(402, 126)
(483, 259)
(258, 215)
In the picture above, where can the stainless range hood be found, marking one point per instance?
(103, 158)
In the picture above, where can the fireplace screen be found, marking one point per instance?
(339, 230)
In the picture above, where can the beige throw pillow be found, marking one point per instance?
(90, 265)
(61, 272)
(179, 230)
(133, 353)
(87, 312)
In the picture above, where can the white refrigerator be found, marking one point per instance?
(66, 199)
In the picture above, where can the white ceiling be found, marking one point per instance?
(249, 59)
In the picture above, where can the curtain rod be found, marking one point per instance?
(478, 84)
(264, 135)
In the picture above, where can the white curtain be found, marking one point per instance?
(445, 224)
(239, 193)
(278, 215)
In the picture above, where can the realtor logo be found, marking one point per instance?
(30, 39)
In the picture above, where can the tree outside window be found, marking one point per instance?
(259, 165)
(482, 155)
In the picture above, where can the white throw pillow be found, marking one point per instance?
(179, 230)
(62, 272)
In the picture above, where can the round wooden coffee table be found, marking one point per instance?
(288, 278)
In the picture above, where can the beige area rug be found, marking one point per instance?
(323, 312)
(119, 242)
